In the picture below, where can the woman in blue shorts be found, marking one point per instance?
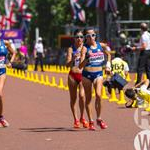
(4, 48)
(75, 78)
(92, 61)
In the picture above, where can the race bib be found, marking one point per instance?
(77, 61)
(96, 58)
(2, 62)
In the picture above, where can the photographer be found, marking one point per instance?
(119, 67)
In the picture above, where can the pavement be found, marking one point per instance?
(40, 119)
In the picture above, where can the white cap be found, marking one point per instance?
(123, 36)
(39, 39)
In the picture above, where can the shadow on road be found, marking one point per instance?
(51, 129)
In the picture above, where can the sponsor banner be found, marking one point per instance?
(14, 35)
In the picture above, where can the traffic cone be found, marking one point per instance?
(42, 79)
(15, 73)
(65, 70)
(61, 84)
(53, 82)
(47, 80)
(113, 97)
(62, 69)
(18, 74)
(135, 77)
(144, 76)
(36, 80)
(104, 95)
(66, 87)
(46, 68)
(7, 71)
(28, 76)
(128, 77)
(134, 105)
(22, 75)
(32, 77)
(104, 74)
(11, 72)
(121, 98)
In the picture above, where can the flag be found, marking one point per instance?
(112, 4)
(26, 18)
(2, 22)
(96, 3)
(10, 15)
(106, 5)
(77, 12)
(20, 4)
(146, 2)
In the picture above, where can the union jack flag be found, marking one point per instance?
(77, 12)
(20, 4)
(26, 18)
(10, 15)
(105, 5)
(96, 3)
(2, 22)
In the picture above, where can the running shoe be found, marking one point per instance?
(101, 123)
(3, 122)
(91, 126)
(84, 122)
(76, 124)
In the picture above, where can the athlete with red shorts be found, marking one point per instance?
(75, 79)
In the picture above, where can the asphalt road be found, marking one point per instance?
(40, 119)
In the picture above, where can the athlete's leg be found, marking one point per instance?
(73, 95)
(88, 95)
(82, 105)
(3, 122)
(81, 99)
(98, 87)
(2, 82)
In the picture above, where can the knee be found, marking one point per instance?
(82, 97)
(73, 101)
(98, 96)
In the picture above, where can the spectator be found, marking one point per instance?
(39, 53)
(144, 48)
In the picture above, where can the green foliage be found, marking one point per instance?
(51, 16)
(2, 10)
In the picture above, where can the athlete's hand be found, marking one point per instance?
(108, 66)
(9, 65)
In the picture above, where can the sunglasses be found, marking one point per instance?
(90, 35)
(79, 36)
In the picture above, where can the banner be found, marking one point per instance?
(13, 34)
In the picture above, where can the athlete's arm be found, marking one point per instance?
(108, 64)
(83, 59)
(69, 57)
(104, 46)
